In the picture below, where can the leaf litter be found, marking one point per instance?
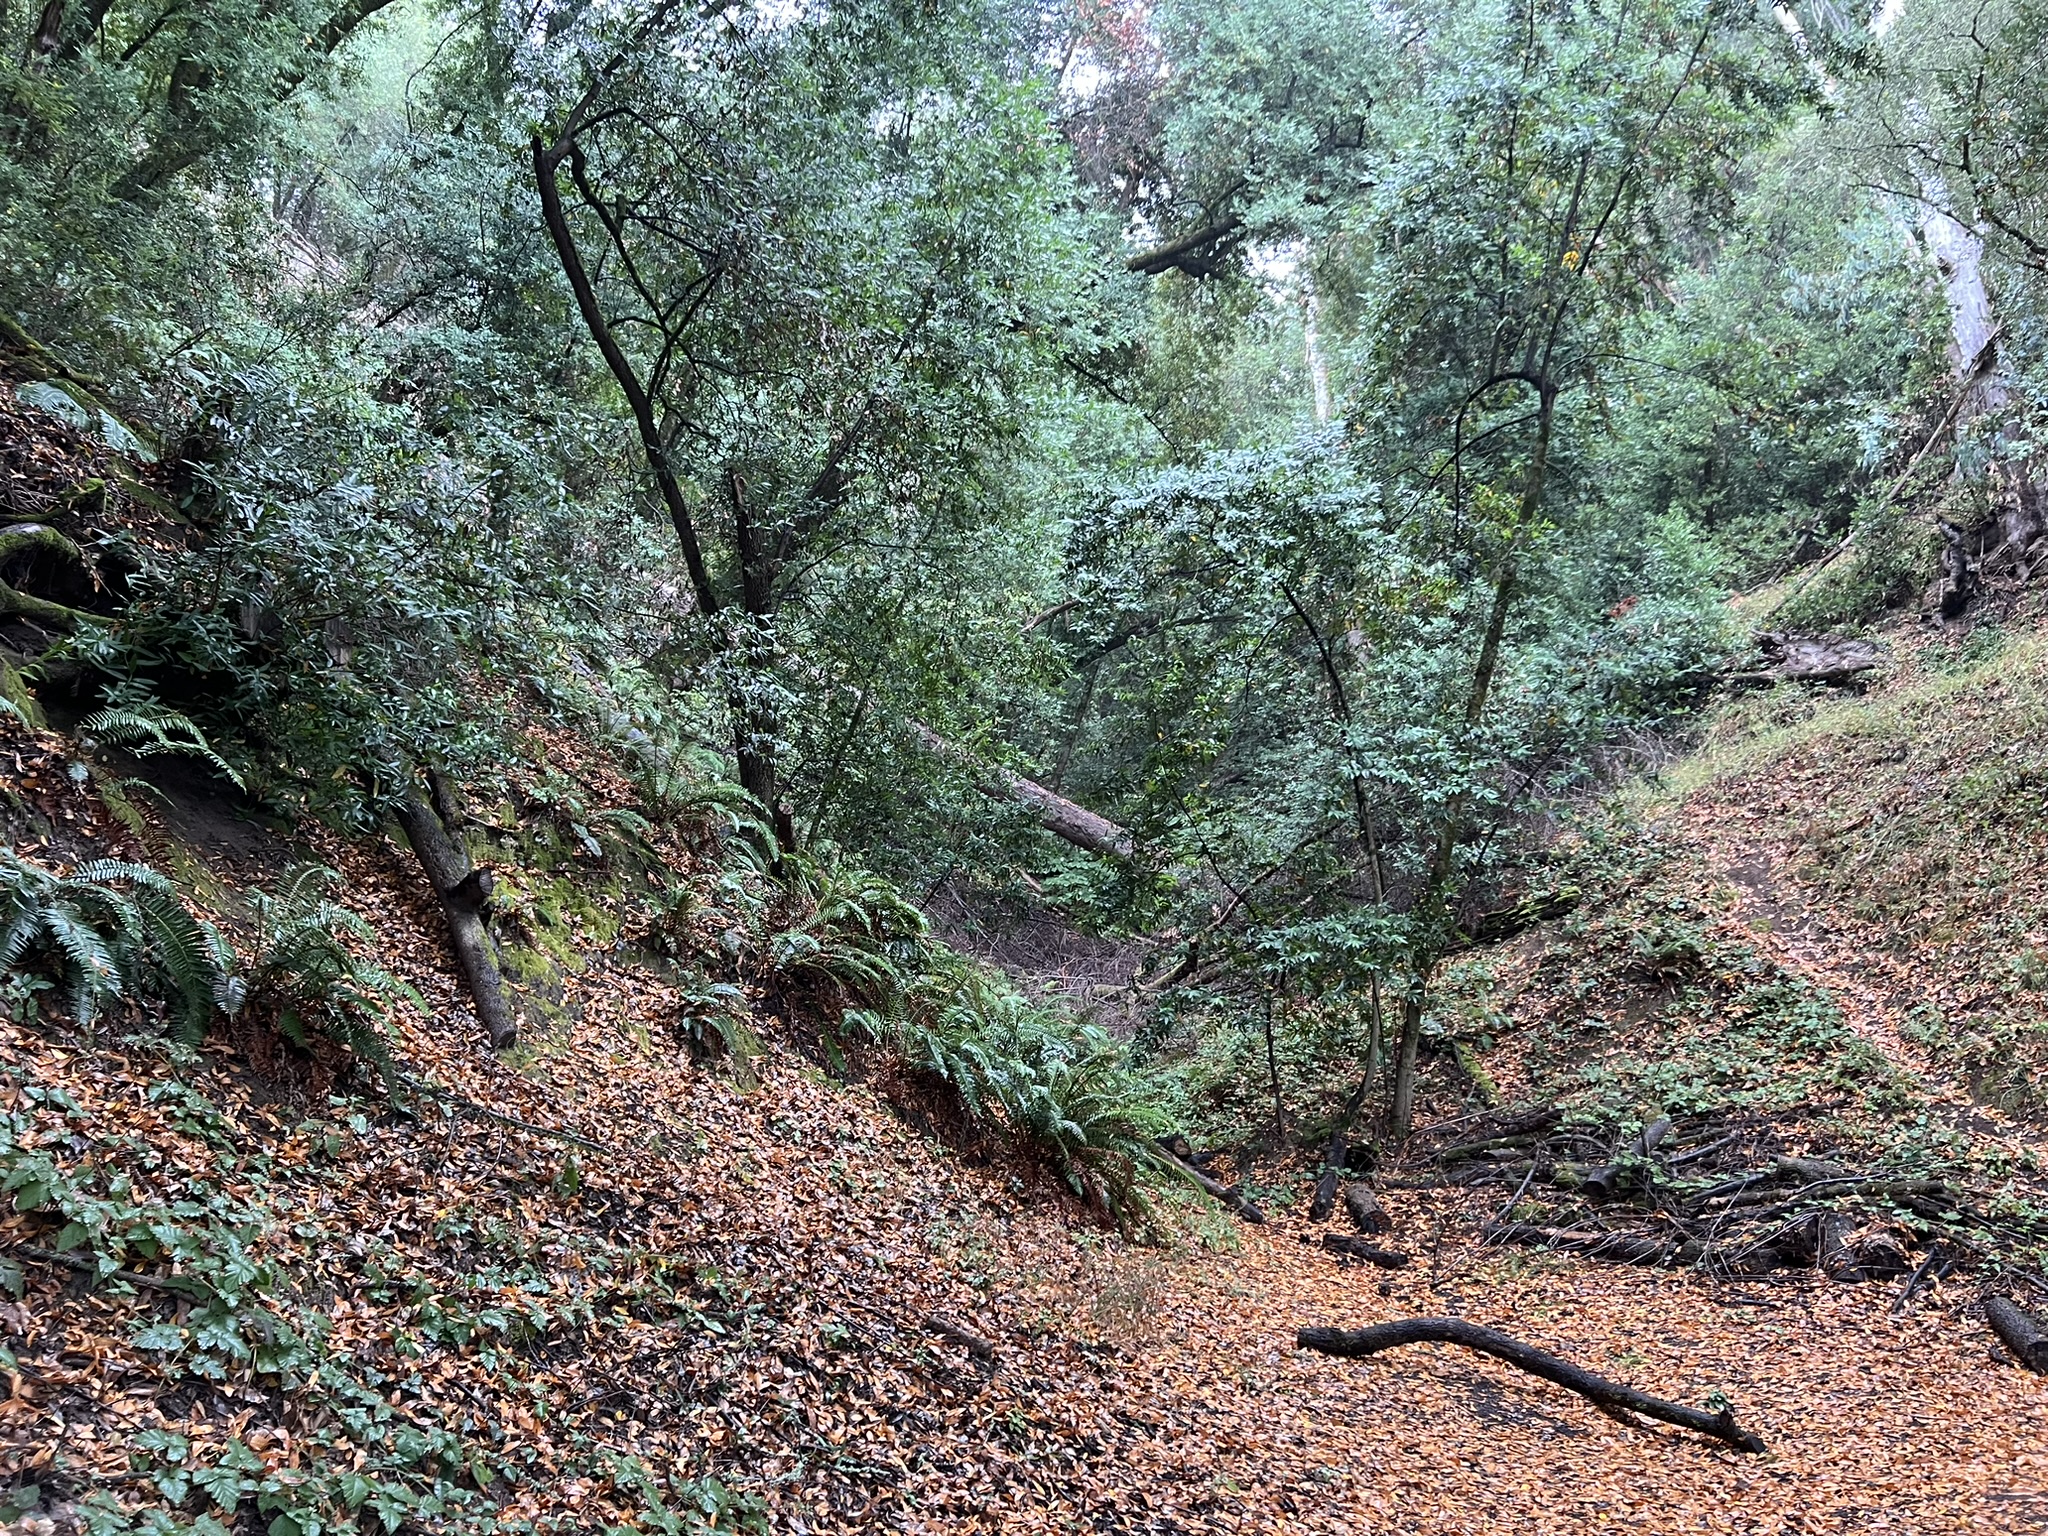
(598, 1270)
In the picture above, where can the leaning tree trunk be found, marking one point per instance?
(1058, 815)
(2004, 548)
(435, 833)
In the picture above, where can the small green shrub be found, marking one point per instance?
(107, 931)
(302, 978)
(114, 931)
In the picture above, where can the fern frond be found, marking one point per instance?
(152, 731)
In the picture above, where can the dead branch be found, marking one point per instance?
(1609, 1396)
(1232, 1199)
(2019, 1332)
(962, 1335)
(1359, 1248)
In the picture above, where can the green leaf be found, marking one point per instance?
(164, 1338)
(223, 1484)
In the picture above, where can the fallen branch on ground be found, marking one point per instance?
(1359, 1248)
(2019, 1332)
(1610, 1396)
(175, 1285)
(1231, 1198)
(1616, 1247)
(965, 1337)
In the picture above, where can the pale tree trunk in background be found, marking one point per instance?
(1312, 345)
(2000, 551)
(2003, 549)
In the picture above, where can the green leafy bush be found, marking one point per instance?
(302, 978)
(108, 931)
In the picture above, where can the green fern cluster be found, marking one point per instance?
(303, 979)
(1063, 1086)
(112, 930)
(851, 926)
(144, 728)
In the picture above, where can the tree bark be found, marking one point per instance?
(1231, 1198)
(1365, 1210)
(1185, 252)
(1609, 1396)
(30, 538)
(435, 835)
(2019, 1332)
(1061, 817)
(1358, 1248)
(547, 161)
(1333, 1155)
(1605, 1182)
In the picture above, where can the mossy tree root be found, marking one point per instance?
(33, 538)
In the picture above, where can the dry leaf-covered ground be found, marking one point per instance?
(602, 1277)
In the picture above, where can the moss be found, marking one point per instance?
(14, 690)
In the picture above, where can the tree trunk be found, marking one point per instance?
(435, 833)
(1061, 817)
(2004, 550)
(1333, 1155)
(2019, 1332)
(1432, 909)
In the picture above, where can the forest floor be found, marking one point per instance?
(595, 1273)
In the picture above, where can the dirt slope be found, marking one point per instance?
(601, 1289)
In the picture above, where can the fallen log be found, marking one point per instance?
(1232, 1199)
(1466, 1151)
(958, 1333)
(1809, 659)
(1359, 1248)
(30, 539)
(1538, 1119)
(435, 835)
(1609, 1396)
(2019, 1332)
(1365, 1210)
(1831, 1252)
(1615, 1247)
(1605, 1182)
(1811, 1170)
(1693, 1154)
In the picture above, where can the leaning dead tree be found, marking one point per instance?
(1610, 1397)
(1058, 815)
(433, 828)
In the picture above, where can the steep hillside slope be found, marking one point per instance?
(593, 1286)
